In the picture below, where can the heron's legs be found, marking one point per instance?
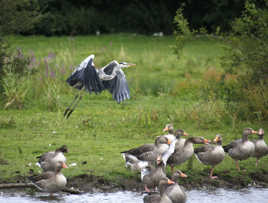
(69, 110)
(69, 107)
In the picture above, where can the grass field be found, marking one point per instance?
(163, 89)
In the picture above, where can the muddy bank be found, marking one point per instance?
(90, 183)
(93, 184)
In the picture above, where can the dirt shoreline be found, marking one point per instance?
(93, 184)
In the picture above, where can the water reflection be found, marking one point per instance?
(251, 195)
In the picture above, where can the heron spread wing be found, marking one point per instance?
(85, 75)
(118, 86)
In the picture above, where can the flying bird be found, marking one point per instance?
(110, 77)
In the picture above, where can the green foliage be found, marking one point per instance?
(247, 58)
(18, 16)
(3, 56)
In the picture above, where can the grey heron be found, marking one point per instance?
(110, 77)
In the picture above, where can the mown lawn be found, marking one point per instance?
(99, 128)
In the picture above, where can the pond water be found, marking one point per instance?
(250, 195)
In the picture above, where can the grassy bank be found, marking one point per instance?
(163, 89)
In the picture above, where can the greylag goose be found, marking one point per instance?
(261, 148)
(170, 191)
(186, 152)
(241, 149)
(173, 192)
(52, 181)
(48, 160)
(147, 152)
(175, 145)
(210, 154)
(151, 176)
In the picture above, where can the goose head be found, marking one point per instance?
(169, 128)
(247, 132)
(164, 183)
(261, 133)
(218, 139)
(178, 174)
(179, 133)
(60, 165)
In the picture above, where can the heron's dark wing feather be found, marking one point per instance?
(85, 75)
(91, 80)
(118, 86)
(108, 69)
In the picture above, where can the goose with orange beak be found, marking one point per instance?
(261, 148)
(211, 154)
(51, 181)
(241, 149)
(147, 152)
(185, 152)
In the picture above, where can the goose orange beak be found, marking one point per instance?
(181, 174)
(216, 139)
(165, 129)
(169, 141)
(64, 165)
(185, 134)
(254, 132)
(170, 182)
(206, 141)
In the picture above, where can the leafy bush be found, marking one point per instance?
(19, 17)
(247, 58)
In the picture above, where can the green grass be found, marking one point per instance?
(99, 128)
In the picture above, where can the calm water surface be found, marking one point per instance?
(251, 195)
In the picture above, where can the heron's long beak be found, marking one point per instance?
(131, 64)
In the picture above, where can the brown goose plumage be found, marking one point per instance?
(153, 176)
(241, 149)
(186, 152)
(261, 148)
(211, 154)
(52, 181)
(148, 152)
